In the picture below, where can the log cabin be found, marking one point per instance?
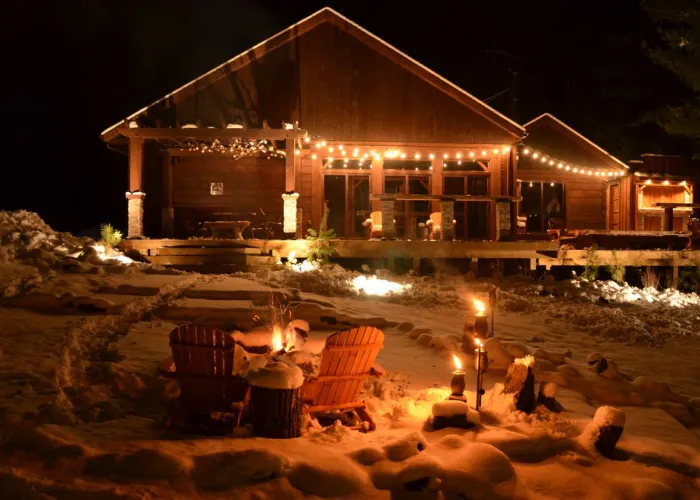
(324, 115)
(327, 118)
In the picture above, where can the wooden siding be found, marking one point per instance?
(337, 87)
(249, 184)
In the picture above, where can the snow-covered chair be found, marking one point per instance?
(521, 223)
(204, 368)
(374, 224)
(346, 362)
(435, 225)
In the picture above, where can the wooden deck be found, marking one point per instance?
(260, 253)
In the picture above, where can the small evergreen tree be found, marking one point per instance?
(110, 236)
(321, 245)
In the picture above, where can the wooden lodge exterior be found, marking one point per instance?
(374, 126)
(326, 115)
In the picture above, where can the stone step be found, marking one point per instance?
(185, 250)
(195, 260)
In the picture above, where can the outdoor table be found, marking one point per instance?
(668, 209)
(219, 228)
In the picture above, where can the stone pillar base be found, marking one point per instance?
(447, 209)
(290, 212)
(388, 219)
(135, 214)
(503, 220)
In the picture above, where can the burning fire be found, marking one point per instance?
(286, 341)
(480, 307)
(457, 362)
(376, 286)
(478, 343)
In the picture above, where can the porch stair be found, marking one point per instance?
(206, 256)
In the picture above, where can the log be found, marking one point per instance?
(276, 413)
(520, 381)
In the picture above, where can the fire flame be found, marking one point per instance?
(285, 341)
(457, 362)
(480, 306)
(478, 343)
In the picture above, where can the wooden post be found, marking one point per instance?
(377, 182)
(135, 164)
(135, 195)
(168, 214)
(289, 166)
(437, 184)
(668, 217)
(317, 202)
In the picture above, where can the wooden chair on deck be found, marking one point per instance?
(521, 223)
(374, 223)
(204, 367)
(345, 366)
(435, 225)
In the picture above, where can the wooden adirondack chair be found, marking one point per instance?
(374, 225)
(345, 366)
(204, 368)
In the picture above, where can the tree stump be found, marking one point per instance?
(520, 381)
(275, 399)
(276, 413)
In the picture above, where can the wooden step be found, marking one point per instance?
(193, 260)
(204, 251)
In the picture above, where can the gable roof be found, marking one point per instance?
(553, 120)
(329, 15)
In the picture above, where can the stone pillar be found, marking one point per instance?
(503, 220)
(135, 214)
(447, 208)
(290, 212)
(388, 218)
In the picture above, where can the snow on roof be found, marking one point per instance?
(584, 138)
(292, 29)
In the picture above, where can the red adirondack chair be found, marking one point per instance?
(345, 366)
(204, 369)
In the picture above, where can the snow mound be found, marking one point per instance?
(452, 408)
(405, 447)
(607, 415)
(228, 469)
(329, 478)
(25, 237)
(142, 464)
(617, 293)
(476, 471)
(277, 375)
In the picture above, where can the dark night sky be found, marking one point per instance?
(72, 69)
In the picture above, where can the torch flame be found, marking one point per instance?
(478, 343)
(480, 306)
(457, 362)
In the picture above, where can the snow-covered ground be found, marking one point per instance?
(82, 403)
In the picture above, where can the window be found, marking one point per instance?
(216, 188)
(408, 214)
(472, 218)
(543, 205)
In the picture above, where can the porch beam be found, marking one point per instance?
(211, 133)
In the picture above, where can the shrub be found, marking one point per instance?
(110, 236)
(321, 245)
(650, 279)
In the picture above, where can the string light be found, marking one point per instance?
(297, 152)
(575, 170)
(648, 181)
(683, 183)
(535, 156)
(417, 157)
(459, 155)
(340, 147)
(560, 165)
(495, 151)
(314, 156)
(445, 156)
(431, 156)
(330, 149)
(307, 139)
(526, 151)
(483, 152)
(471, 154)
(665, 183)
(403, 156)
